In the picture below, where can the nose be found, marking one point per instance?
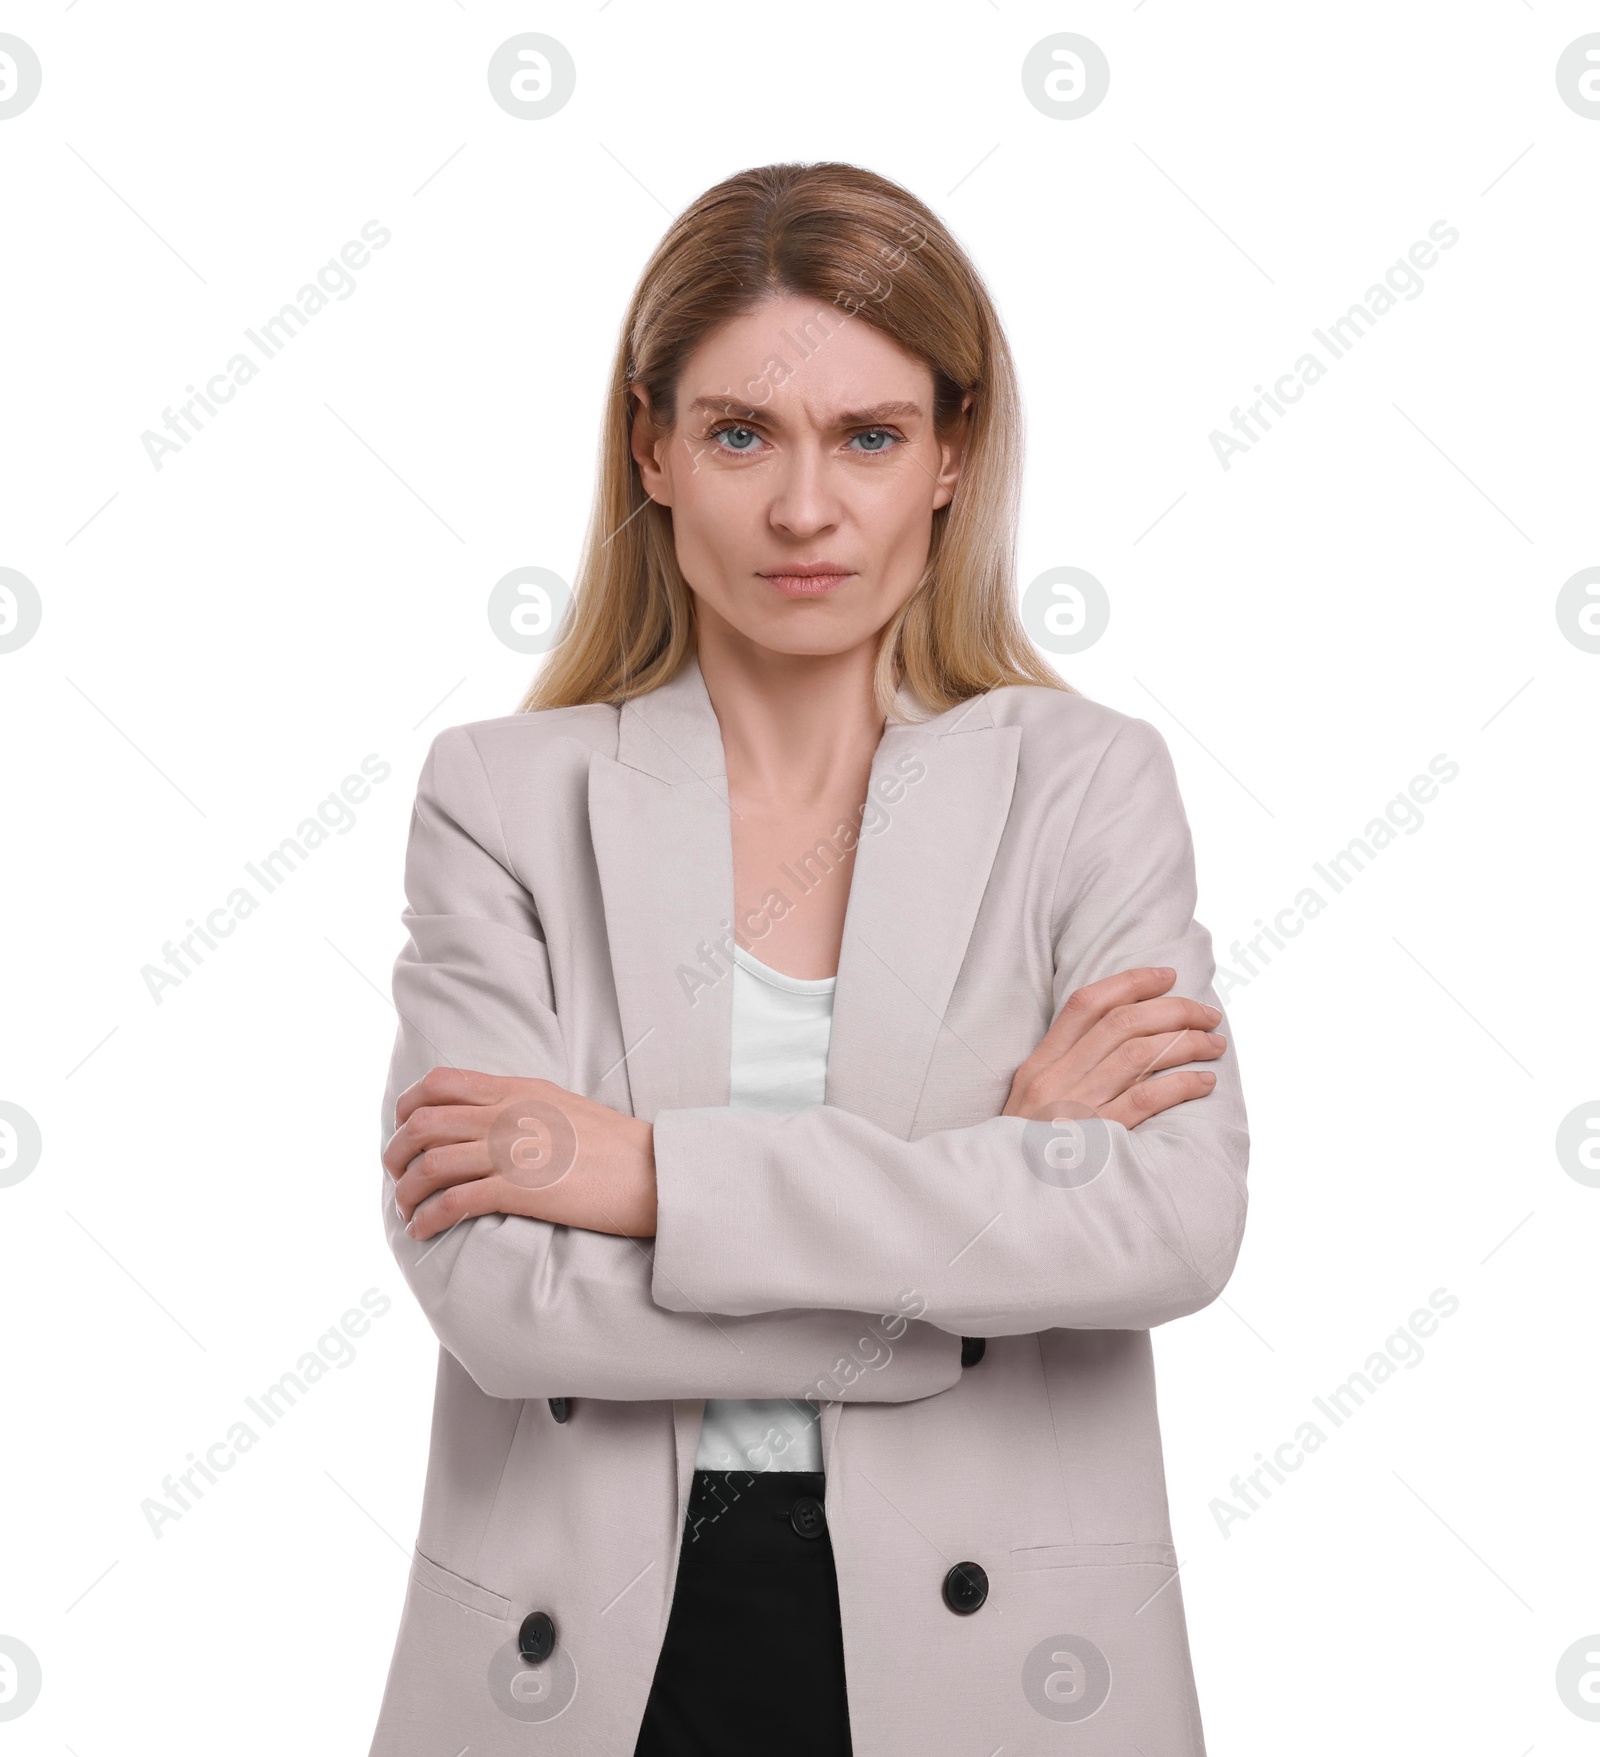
(805, 499)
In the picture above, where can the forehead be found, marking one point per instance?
(802, 359)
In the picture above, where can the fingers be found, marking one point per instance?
(1142, 1056)
(1116, 1042)
(453, 1086)
(522, 1130)
(1085, 1007)
(434, 1125)
(1134, 1059)
(1146, 1019)
(451, 1104)
(439, 1168)
(456, 1202)
(1150, 1097)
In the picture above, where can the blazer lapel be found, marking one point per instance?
(660, 824)
(945, 788)
(659, 820)
(659, 817)
(663, 842)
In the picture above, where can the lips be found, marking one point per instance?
(807, 579)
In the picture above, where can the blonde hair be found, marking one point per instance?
(838, 233)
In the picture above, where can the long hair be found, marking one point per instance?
(854, 240)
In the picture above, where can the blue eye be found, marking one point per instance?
(722, 432)
(742, 441)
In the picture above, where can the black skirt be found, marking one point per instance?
(753, 1658)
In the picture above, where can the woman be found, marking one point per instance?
(798, 1105)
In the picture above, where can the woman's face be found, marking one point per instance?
(803, 437)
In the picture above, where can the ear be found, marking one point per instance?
(952, 453)
(647, 443)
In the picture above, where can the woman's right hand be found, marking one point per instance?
(1110, 1036)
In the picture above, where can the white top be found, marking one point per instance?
(781, 1026)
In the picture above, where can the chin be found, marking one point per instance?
(802, 628)
(814, 642)
(820, 626)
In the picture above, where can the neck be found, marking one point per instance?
(794, 725)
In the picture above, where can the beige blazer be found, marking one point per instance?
(570, 893)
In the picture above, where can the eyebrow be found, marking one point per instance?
(845, 418)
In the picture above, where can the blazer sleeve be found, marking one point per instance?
(533, 1309)
(1009, 1226)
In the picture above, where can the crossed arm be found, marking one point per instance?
(470, 1143)
(522, 1213)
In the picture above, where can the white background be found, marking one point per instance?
(223, 641)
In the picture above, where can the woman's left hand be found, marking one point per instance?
(470, 1143)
